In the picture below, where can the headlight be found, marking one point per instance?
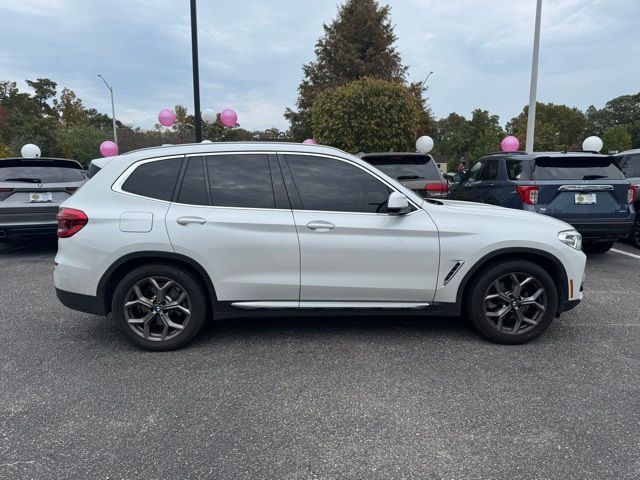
(571, 238)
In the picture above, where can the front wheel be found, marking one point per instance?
(597, 247)
(159, 307)
(512, 302)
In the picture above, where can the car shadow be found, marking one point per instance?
(29, 246)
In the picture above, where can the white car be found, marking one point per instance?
(166, 238)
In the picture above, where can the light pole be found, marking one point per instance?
(113, 110)
(196, 76)
(531, 120)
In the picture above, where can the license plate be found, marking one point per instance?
(40, 197)
(585, 198)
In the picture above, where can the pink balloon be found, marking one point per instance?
(108, 148)
(228, 117)
(167, 117)
(310, 141)
(510, 144)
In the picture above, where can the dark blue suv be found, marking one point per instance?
(586, 190)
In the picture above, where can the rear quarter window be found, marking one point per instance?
(577, 168)
(631, 165)
(515, 169)
(156, 179)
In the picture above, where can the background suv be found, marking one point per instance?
(164, 238)
(417, 171)
(629, 162)
(31, 190)
(587, 190)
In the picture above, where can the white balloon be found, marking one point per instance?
(30, 151)
(209, 116)
(206, 141)
(424, 144)
(592, 144)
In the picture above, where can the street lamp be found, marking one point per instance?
(531, 120)
(113, 110)
(196, 75)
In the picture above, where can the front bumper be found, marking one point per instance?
(604, 229)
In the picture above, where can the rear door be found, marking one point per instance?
(231, 215)
(576, 187)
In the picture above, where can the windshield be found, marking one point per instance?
(406, 168)
(40, 174)
(577, 168)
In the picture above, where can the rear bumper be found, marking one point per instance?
(30, 230)
(28, 221)
(82, 303)
(603, 230)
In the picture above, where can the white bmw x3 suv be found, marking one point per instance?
(166, 238)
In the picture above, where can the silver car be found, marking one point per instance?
(31, 190)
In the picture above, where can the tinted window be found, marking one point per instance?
(240, 181)
(490, 170)
(632, 165)
(515, 169)
(333, 185)
(406, 168)
(39, 172)
(154, 179)
(193, 190)
(474, 172)
(576, 168)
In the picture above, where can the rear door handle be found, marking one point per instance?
(320, 225)
(188, 220)
(466, 184)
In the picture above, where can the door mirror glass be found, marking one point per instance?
(398, 204)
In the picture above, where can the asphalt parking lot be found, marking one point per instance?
(318, 398)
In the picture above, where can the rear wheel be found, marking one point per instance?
(159, 307)
(512, 302)
(635, 233)
(597, 247)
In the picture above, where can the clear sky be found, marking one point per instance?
(251, 52)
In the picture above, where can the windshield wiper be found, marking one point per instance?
(409, 177)
(593, 177)
(22, 179)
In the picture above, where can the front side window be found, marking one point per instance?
(475, 171)
(332, 185)
(490, 171)
(155, 179)
(240, 180)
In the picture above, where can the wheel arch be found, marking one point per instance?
(547, 261)
(117, 271)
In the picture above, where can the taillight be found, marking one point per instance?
(437, 187)
(528, 194)
(70, 222)
(632, 194)
(5, 192)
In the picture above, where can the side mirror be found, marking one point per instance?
(398, 204)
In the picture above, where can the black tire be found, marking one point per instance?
(597, 247)
(483, 287)
(635, 233)
(195, 300)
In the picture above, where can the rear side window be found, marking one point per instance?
(240, 180)
(193, 190)
(406, 168)
(577, 168)
(155, 179)
(515, 169)
(327, 184)
(38, 172)
(631, 165)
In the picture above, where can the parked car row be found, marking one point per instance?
(597, 194)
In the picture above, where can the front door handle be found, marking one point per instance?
(188, 220)
(320, 226)
(467, 184)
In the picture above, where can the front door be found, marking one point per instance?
(228, 217)
(351, 249)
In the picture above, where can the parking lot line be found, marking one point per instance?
(625, 253)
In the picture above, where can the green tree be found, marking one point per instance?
(558, 127)
(70, 108)
(485, 134)
(45, 90)
(616, 139)
(623, 110)
(366, 115)
(359, 43)
(80, 142)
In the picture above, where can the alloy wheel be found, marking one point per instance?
(515, 303)
(157, 308)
